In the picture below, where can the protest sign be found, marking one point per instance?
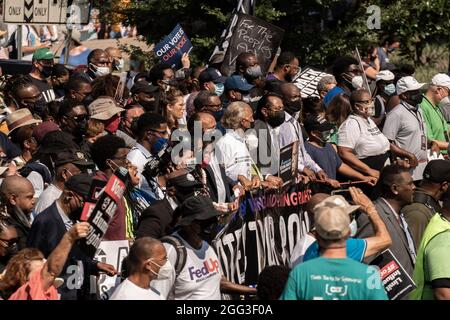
(100, 215)
(307, 82)
(288, 163)
(396, 280)
(171, 48)
(263, 232)
(113, 253)
(254, 35)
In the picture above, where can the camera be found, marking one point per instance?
(158, 162)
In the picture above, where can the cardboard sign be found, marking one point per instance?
(288, 163)
(171, 48)
(100, 215)
(307, 82)
(252, 35)
(113, 253)
(396, 280)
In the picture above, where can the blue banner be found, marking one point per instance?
(172, 47)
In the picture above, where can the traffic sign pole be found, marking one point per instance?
(68, 41)
(19, 42)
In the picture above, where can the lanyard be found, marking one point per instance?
(415, 114)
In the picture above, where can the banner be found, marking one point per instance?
(100, 214)
(171, 48)
(307, 82)
(113, 253)
(262, 233)
(396, 280)
(254, 35)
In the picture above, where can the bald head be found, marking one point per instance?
(114, 53)
(15, 185)
(359, 95)
(289, 91)
(208, 121)
(143, 249)
(314, 201)
(18, 192)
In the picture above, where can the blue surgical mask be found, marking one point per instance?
(389, 89)
(159, 145)
(218, 115)
(220, 88)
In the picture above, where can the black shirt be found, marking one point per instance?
(46, 89)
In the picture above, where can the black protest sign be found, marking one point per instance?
(288, 163)
(307, 82)
(262, 233)
(252, 35)
(100, 215)
(396, 280)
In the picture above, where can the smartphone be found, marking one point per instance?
(343, 192)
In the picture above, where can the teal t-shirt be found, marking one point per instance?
(334, 279)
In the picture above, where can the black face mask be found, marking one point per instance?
(276, 119)
(47, 72)
(39, 106)
(80, 129)
(148, 105)
(414, 99)
(76, 214)
(88, 99)
(292, 107)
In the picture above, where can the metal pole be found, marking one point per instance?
(19, 42)
(67, 48)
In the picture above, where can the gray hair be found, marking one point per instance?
(234, 114)
(324, 82)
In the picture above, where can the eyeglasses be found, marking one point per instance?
(80, 118)
(10, 242)
(293, 66)
(216, 107)
(161, 132)
(270, 108)
(364, 101)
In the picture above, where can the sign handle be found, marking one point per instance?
(19, 42)
(67, 48)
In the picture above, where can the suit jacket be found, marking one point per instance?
(46, 232)
(155, 221)
(22, 225)
(399, 245)
(211, 183)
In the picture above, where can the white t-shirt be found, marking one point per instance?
(48, 196)
(127, 290)
(199, 279)
(233, 154)
(363, 136)
(221, 191)
(300, 248)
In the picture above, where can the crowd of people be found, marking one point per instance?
(194, 143)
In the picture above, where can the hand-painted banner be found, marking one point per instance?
(262, 233)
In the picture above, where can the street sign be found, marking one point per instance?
(40, 12)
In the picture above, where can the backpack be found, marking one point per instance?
(180, 249)
(12, 43)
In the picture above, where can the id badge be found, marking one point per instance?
(424, 143)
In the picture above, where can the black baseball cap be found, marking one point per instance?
(80, 184)
(197, 208)
(182, 179)
(143, 86)
(211, 74)
(76, 157)
(437, 171)
(317, 123)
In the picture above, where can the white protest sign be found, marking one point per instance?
(113, 253)
(307, 82)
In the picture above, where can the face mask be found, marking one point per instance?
(389, 90)
(277, 119)
(87, 100)
(220, 88)
(76, 214)
(415, 99)
(353, 228)
(246, 98)
(218, 115)
(39, 106)
(112, 125)
(148, 105)
(47, 72)
(444, 101)
(158, 145)
(292, 107)
(165, 271)
(119, 64)
(254, 72)
(135, 64)
(357, 82)
(80, 129)
(100, 71)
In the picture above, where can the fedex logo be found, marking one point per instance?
(209, 266)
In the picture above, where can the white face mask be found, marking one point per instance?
(444, 101)
(100, 71)
(353, 228)
(120, 63)
(165, 271)
(357, 82)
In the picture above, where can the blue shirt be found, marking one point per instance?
(325, 157)
(79, 59)
(331, 94)
(356, 248)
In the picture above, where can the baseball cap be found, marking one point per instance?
(337, 201)
(182, 179)
(441, 80)
(408, 83)
(331, 222)
(437, 171)
(143, 86)
(385, 75)
(76, 157)
(45, 127)
(238, 82)
(197, 208)
(43, 54)
(80, 184)
(104, 108)
(317, 123)
(211, 74)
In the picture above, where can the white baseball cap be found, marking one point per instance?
(441, 80)
(408, 83)
(339, 201)
(385, 75)
(331, 222)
